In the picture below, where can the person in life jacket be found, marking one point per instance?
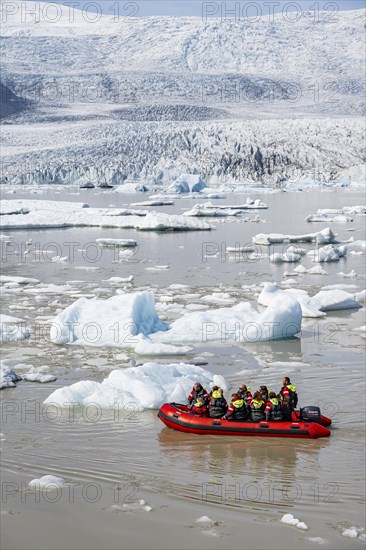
(288, 398)
(238, 410)
(197, 391)
(288, 393)
(263, 390)
(199, 407)
(273, 408)
(217, 405)
(257, 407)
(244, 393)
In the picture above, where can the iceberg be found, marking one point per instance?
(325, 236)
(12, 329)
(147, 386)
(112, 322)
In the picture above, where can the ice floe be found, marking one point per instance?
(12, 329)
(289, 257)
(325, 236)
(187, 183)
(116, 242)
(18, 280)
(146, 386)
(39, 374)
(55, 214)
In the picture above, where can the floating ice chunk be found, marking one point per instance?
(48, 483)
(339, 286)
(289, 519)
(350, 533)
(115, 243)
(8, 377)
(317, 540)
(18, 280)
(336, 218)
(332, 300)
(240, 249)
(206, 520)
(362, 537)
(302, 525)
(166, 222)
(270, 291)
(300, 269)
(277, 258)
(296, 250)
(12, 329)
(326, 236)
(117, 280)
(153, 203)
(349, 275)
(317, 270)
(39, 374)
(146, 386)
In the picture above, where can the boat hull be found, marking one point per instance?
(179, 418)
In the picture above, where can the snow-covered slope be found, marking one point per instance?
(138, 97)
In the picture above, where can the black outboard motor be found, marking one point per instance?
(310, 414)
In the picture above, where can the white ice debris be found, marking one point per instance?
(329, 253)
(47, 483)
(146, 386)
(350, 533)
(206, 520)
(317, 540)
(8, 377)
(116, 242)
(325, 236)
(12, 329)
(39, 374)
(289, 519)
(361, 296)
(289, 257)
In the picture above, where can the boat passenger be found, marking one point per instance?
(264, 392)
(238, 410)
(257, 407)
(273, 408)
(217, 405)
(197, 391)
(244, 393)
(199, 407)
(288, 398)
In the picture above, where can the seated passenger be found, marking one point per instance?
(197, 391)
(217, 406)
(238, 410)
(257, 407)
(244, 393)
(263, 390)
(273, 408)
(199, 407)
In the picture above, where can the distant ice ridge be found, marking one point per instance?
(147, 386)
(131, 321)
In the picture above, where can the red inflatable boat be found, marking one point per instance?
(179, 418)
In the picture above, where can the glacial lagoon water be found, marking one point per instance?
(112, 462)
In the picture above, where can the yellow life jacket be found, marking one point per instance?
(257, 404)
(291, 388)
(216, 394)
(197, 404)
(238, 403)
(274, 401)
